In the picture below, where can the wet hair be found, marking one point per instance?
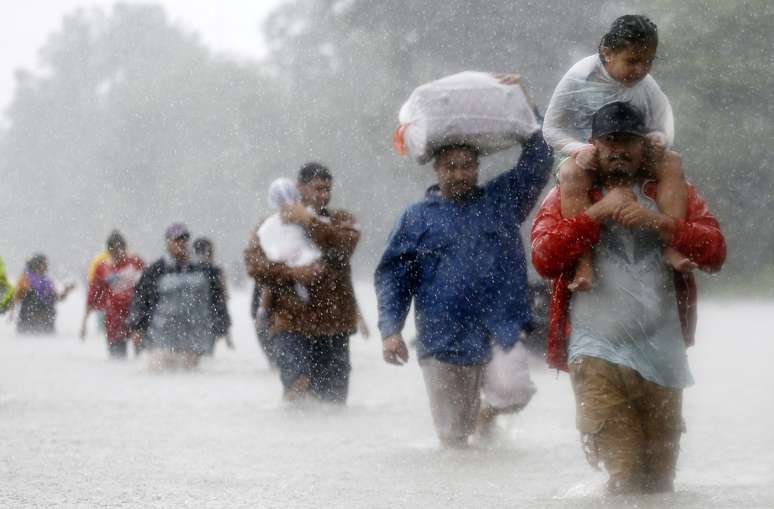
(313, 170)
(114, 240)
(629, 30)
(202, 246)
(438, 152)
(37, 262)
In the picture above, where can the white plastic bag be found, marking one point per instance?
(506, 378)
(587, 87)
(283, 191)
(470, 108)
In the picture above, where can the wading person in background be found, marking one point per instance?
(178, 307)
(624, 341)
(37, 297)
(311, 328)
(6, 290)
(95, 262)
(204, 253)
(111, 290)
(261, 321)
(458, 255)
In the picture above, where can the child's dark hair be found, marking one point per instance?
(629, 30)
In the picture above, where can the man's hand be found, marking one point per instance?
(607, 208)
(67, 289)
(514, 79)
(634, 215)
(394, 350)
(509, 78)
(295, 213)
(136, 338)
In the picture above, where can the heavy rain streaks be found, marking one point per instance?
(228, 350)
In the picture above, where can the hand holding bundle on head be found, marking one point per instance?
(491, 113)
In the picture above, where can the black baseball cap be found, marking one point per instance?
(617, 117)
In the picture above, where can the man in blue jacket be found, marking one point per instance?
(458, 255)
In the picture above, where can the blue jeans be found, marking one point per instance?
(324, 360)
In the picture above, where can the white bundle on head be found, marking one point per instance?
(469, 108)
(283, 191)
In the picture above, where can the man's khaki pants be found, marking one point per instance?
(455, 397)
(631, 424)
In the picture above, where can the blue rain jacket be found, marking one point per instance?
(464, 265)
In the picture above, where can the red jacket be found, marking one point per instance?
(112, 290)
(558, 242)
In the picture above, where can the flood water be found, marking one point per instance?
(77, 430)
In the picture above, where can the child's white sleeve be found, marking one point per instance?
(661, 118)
(561, 124)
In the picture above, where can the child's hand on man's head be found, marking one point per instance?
(655, 143)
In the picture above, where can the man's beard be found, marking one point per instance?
(460, 190)
(620, 166)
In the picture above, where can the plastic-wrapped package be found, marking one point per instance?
(470, 108)
(286, 242)
(587, 87)
(283, 191)
(506, 378)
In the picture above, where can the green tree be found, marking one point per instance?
(353, 63)
(716, 66)
(133, 123)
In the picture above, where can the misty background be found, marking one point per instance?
(130, 120)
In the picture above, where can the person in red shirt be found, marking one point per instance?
(112, 290)
(624, 340)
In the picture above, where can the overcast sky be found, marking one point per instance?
(224, 25)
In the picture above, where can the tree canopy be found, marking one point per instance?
(133, 123)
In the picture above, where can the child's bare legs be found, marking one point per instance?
(672, 200)
(574, 185)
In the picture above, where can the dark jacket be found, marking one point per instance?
(463, 265)
(332, 308)
(146, 295)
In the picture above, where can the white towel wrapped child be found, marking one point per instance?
(283, 242)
